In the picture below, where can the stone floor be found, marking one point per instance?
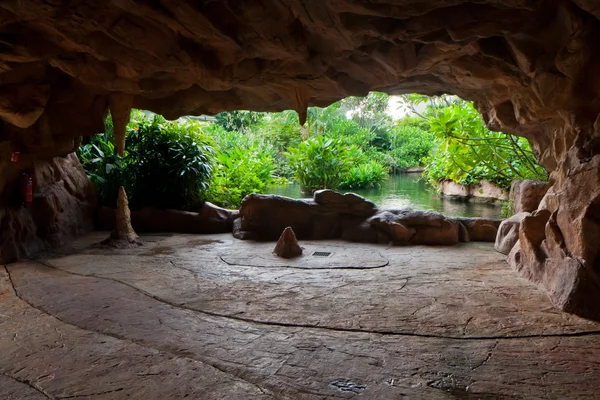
(180, 318)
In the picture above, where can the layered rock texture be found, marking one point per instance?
(331, 215)
(531, 66)
(63, 204)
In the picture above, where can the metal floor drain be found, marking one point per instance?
(321, 254)
(346, 385)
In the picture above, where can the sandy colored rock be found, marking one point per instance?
(123, 235)
(387, 222)
(508, 233)
(63, 205)
(481, 229)
(287, 245)
(208, 219)
(526, 195)
(347, 203)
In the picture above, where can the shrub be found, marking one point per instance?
(409, 145)
(170, 163)
(319, 163)
(467, 152)
(104, 168)
(370, 174)
(166, 164)
(240, 172)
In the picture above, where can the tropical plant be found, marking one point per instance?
(170, 163)
(238, 120)
(166, 164)
(319, 163)
(370, 174)
(101, 163)
(468, 152)
(240, 172)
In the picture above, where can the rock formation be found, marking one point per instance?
(331, 215)
(123, 236)
(287, 245)
(64, 201)
(208, 219)
(526, 195)
(530, 66)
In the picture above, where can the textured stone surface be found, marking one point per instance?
(208, 219)
(332, 215)
(64, 200)
(348, 203)
(287, 246)
(481, 229)
(170, 320)
(484, 191)
(266, 216)
(123, 235)
(526, 195)
(530, 66)
(508, 233)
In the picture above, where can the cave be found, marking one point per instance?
(531, 67)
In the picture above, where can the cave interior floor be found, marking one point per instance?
(212, 317)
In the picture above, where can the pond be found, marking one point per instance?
(406, 190)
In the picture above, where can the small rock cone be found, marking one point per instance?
(123, 236)
(287, 245)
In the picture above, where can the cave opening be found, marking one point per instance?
(171, 308)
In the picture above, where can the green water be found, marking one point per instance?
(406, 190)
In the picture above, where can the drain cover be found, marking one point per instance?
(346, 385)
(321, 254)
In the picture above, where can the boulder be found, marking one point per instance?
(481, 229)
(445, 234)
(409, 226)
(388, 222)
(64, 200)
(355, 229)
(508, 233)
(526, 195)
(287, 245)
(266, 216)
(348, 203)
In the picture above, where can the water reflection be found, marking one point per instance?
(407, 190)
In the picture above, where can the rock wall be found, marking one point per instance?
(63, 205)
(530, 66)
(484, 192)
(332, 215)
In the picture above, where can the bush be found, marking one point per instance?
(240, 172)
(319, 163)
(370, 174)
(409, 145)
(170, 164)
(166, 164)
(104, 168)
(468, 152)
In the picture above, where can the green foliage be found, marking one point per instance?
(238, 120)
(169, 163)
(320, 163)
(467, 152)
(409, 145)
(166, 164)
(240, 172)
(101, 163)
(370, 174)
(507, 209)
